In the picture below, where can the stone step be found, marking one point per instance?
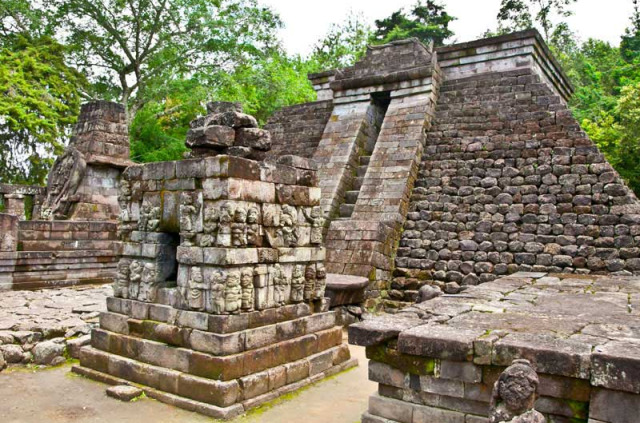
(351, 197)
(357, 183)
(346, 210)
(362, 170)
(364, 160)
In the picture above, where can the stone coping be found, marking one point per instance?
(579, 326)
(467, 59)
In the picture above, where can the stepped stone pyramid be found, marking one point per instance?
(461, 164)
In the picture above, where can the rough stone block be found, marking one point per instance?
(222, 394)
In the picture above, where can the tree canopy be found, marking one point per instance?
(38, 104)
(426, 21)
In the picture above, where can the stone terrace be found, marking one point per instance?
(442, 357)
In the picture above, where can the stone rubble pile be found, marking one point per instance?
(226, 130)
(46, 327)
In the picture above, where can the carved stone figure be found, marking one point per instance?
(309, 281)
(149, 218)
(64, 179)
(514, 395)
(154, 219)
(196, 290)
(124, 199)
(135, 276)
(210, 226)
(288, 220)
(297, 284)
(232, 293)
(321, 281)
(188, 213)
(246, 283)
(224, 227)
(217, 293)
(121, 284)
(317, 220)
(239, 228)
(280, 283)
(148, 283)
(254, 235)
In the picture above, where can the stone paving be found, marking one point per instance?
(59, 319)
(581, 333)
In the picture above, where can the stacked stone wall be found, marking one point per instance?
(54, 254)
(297, 129)
(509, 182)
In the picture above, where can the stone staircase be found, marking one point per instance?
(351, 196)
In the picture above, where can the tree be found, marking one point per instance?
(517, 15)
(426, 21)
(127, 47)
(38, 105)
(630, 45)
(343, 45)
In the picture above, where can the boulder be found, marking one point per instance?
(12, 353)
(428, 292)
(46, 352)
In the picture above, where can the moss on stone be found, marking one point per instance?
(403, 362)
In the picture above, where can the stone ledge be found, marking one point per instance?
(577, 326)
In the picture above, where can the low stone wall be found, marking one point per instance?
(51, 254)
(438, 360)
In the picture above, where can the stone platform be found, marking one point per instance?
(438, 361)
(217, 365)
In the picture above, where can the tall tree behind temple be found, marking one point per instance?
(343, 45)
(426, 21)
(38, 105)
(128, 48)
(630, 45)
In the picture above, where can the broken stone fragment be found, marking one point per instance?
(219, 136)
(214, 136)
(428, 292)
(239, 151)
(124, 393)
(234, 120)
(3, 363)
(253, 137)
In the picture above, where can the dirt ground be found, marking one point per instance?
(56, 395)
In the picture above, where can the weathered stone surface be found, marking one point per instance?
(124, 393)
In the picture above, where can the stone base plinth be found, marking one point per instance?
(217, 365)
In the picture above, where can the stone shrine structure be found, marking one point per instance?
(458, 165)
(219, 301)
(72, 237)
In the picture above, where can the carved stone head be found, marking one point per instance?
(515, 393)
(253, 215)
(240, 215)
(226, 212)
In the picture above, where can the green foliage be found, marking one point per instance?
(159, 128)
(517, 15)
(39, 104)
(268, 84)
(426, 21)
(343, 45)
(127, 48)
